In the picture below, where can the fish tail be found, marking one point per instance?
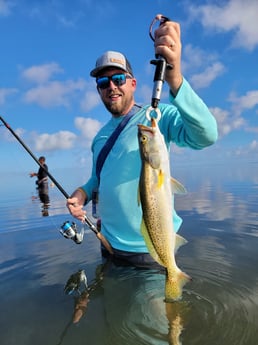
(174, 285)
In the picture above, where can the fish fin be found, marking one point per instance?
(177, 187)
(160, 179)
(175, 282)
(149, 244)
(180, 241)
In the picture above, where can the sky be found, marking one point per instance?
(49, 47)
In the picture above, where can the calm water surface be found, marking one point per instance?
(124, 305)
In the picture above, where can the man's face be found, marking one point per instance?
(118, 99)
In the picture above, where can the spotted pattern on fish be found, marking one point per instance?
(157, 206)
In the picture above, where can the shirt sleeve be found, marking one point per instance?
(193, 124)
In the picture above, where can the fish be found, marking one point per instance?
(75, 282)
(155, 195)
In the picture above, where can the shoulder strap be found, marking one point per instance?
(112, 139)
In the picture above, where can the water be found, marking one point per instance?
(124, 305)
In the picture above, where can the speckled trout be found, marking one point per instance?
(156, 189)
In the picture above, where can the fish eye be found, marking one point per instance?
(144, 138)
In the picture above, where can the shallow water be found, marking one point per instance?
(124, 305)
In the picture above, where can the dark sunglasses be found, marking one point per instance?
(118, 79)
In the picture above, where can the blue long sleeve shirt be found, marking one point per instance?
(186, 121)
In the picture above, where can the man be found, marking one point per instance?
(42, 181)
(186, 121)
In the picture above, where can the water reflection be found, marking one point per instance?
(128, 305)
(123, 305)
(132, 302)
(217, 306)
(222, 195)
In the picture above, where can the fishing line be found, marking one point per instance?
(68, 229)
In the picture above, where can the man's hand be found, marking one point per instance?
(75, 204)
(168, 44)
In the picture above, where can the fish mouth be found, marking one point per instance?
(153, 122)
(147, 128)
(144, 128)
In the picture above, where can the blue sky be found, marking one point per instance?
(49, 47)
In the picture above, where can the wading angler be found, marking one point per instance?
(185, 121)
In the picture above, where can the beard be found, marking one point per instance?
(119, 108)
(114, 109)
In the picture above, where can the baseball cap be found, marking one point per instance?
(111, 59)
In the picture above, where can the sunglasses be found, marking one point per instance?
(118, 79)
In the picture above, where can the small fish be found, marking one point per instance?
(156, 189)
(75, 282)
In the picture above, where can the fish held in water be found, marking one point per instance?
(156, 189)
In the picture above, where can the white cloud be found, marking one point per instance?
(64, 21)
(41, 73)
(206, 77)
(242, 103)
(230, 120)
(50, 142)
(54, 93)
(237, 16)
(195, 57)
(252, 129)
(4, 93)
(8, 136)
(5, 7)
(226, 121)
(88, 127)
(250, 150)
(203, 67)
(90, 100)
(254, 145)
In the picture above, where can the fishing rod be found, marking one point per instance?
(68, 230)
